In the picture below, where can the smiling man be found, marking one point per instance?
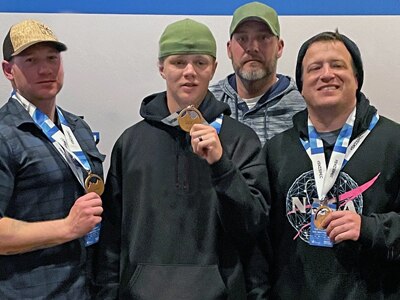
(47, 210)
(256, 94)
(185, 191)
(335, 189)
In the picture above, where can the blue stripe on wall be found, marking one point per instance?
(201, 7)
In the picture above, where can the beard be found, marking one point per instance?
(255, 74)
(252, 75)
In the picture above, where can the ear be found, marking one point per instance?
(161, 69)
(228, 49)
(7, 69)
(214, 69)
(281, 44)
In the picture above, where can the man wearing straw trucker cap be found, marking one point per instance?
(50, 176)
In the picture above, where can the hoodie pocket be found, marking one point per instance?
(175, 282)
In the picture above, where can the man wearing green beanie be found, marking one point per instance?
(185, 193)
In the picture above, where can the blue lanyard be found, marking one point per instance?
(342, 152)
(65, 143)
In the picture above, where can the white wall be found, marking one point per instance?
(111, 62)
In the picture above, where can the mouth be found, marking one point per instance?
(46, 81)
(250, 59)
(189, 84)
(328, 88)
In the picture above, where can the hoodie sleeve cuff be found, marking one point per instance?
(221, 168)
(366, 231)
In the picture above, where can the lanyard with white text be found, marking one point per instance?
(65, 143)
(341, 154)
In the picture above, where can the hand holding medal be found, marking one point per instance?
(205, 140)
(93, 183)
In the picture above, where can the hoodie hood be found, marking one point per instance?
(154, 107)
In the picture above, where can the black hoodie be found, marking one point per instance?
(173, 224)
(368, 268)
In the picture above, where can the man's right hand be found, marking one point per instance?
(84, 215)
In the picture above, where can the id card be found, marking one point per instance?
(93, 236)
(318, 236)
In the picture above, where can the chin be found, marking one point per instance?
(183, 103)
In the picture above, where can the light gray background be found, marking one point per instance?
(111, 61)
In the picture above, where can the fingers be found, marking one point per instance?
(84, 214)
(343, 233)
(343, 225)
(205, 142)
(90, 204)
(202, 132)
(89, 196)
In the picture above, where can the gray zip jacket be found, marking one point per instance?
(273, 112)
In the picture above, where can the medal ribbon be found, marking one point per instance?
(65, 143)
(342, 152)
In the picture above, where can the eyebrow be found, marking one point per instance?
(320, 61)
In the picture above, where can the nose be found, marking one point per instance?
(327, 73)
(189, 70)
(44, 68)
(252, 46)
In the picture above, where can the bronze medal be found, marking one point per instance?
(94, 183)
(320, 215)
(188, 117)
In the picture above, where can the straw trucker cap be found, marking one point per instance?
(28, 33)
(187, 37)
(255, 11)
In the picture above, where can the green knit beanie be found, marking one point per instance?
(187, 37)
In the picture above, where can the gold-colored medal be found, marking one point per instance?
(320, 215)
(188, 117)
(94, 183)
